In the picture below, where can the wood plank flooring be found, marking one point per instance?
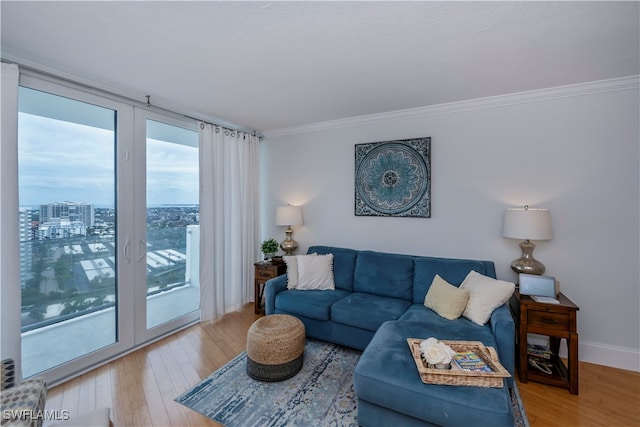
(140, 387)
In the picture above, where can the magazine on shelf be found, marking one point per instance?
(544, 366)
(470, 361)
(537, 350)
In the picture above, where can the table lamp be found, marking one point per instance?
(528, 224)
(289, 215)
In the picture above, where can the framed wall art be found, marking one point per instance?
(393, 178)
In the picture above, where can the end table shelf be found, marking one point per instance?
(265, 271)
(557, 321)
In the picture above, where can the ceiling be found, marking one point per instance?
(273, 65)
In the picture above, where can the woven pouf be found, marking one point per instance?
(275, 347)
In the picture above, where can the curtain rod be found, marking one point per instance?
(260, 137)
(53, 75)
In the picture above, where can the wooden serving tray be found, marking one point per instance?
(455, 375)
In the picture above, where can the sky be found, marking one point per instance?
(63, 161)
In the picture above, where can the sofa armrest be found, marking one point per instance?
(271, 289)
(504, 331)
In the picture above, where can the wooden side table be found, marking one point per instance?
(265, 270)
(557, 321)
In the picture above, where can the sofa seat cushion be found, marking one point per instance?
(367, 311)
(386, 375)
(309, 303)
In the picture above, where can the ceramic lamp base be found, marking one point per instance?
(288, 245)
(527, 264)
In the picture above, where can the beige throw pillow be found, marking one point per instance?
(485, 295)
(445, 299)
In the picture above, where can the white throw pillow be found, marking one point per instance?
(315, 272)
(485, 295)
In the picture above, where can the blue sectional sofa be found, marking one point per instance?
(377, 304)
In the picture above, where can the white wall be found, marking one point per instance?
(574, 150)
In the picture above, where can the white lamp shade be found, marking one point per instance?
(528, 224)
(289, 215)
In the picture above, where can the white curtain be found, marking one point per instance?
(10, 293)
(229, 219)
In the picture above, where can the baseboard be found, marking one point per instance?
(599, 354)
(608, 355)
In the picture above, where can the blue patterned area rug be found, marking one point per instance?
(322, 390)
(321, 394)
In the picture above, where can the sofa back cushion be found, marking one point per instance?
(344, 262)
(450, 269)
(389, 275)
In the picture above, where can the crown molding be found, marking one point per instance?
(569, 91)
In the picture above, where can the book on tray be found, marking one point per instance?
(470, 361)
(539, 351)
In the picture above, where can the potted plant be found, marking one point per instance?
(269, 248)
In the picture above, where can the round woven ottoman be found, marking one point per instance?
(275, 347)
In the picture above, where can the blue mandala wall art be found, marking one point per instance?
(393, 178)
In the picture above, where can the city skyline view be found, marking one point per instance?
(62, 161)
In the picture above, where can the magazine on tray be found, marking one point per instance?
(470, 361)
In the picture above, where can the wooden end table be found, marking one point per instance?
(557, 321)
(264, 271)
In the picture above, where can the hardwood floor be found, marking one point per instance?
(608, 397)
(140, 387)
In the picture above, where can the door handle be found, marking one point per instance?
(142, 249)
(125, 252)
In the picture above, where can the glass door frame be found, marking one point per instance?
(124, 143)
(130, 170)
(142, 334)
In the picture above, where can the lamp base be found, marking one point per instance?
(527, 264)
(288, 245)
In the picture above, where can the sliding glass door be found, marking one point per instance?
(169, 199)
(68, 257)
(109, 239)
